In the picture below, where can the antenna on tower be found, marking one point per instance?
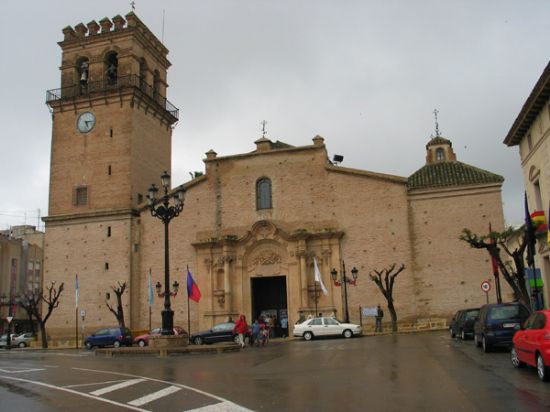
(163, 14)
(436, 123)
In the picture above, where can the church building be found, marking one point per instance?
(254, 223)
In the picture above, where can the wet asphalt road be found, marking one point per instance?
(412, 372)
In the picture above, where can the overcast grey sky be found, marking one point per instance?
(365, 75)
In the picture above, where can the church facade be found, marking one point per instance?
(254, 223)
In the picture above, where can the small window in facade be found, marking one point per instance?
(263, 194)
(108, 231)
(109, 170)
(439, 154)
(140, 198)
(529, 142)
(81, 196)
(106, 265)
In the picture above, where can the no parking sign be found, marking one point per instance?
(485, 286)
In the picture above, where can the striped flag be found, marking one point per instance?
(318, 276)
(193, 291)
(76, 290)
(150, 288)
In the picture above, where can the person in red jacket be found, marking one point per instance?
(241, 328)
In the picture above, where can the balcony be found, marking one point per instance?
(102, 87)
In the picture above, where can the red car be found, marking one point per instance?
(143, 340)
(532, 344)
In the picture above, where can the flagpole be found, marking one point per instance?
(77, 293)
(76, 329)
(316, 299)
(188, 312)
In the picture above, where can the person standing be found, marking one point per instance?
(284, 327)
(379, 316)
(255, 337)
(241, 328)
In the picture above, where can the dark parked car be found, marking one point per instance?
(532, 344)
(222, 332)
(462, 324)
(109, 337)
(497, 323)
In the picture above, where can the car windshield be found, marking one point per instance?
(508, 312)
(471, 314)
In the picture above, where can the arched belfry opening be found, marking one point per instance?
(111, 68)
(143, 74)
(156, 84)
(82, 71)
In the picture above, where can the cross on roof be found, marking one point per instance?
(436, 123)
(263, 123)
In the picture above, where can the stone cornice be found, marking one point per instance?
(96, 215)
(365, 173)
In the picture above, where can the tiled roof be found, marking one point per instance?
(446, 174)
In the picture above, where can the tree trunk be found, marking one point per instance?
(44, 336)
(393, 316)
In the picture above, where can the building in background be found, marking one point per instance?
(530, 132)
(21, 263)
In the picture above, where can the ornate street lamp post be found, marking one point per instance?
(166, 212)
(344, 280)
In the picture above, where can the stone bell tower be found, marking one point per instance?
(111, 138)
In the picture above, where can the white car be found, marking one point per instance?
(326, 327)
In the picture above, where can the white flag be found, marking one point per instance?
(318, 276)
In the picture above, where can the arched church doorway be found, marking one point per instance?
(269, 298)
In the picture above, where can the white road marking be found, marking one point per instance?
(223, 401)
(20, 370)
(74, 393)
(154, 396)
(220, 407)
(92, 384)
(115, 387)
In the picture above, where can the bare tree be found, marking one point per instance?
(119, 312)
(32, 300)
(385, 280)
(513, 271)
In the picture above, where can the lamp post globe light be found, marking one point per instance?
(163, 209)
(344, 280)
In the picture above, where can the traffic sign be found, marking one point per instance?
(485, 286)
(9, 318)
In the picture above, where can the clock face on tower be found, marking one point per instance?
(85, 122)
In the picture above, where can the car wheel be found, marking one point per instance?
(348, 334)
(22, 344)
(476, 341)
(197, 340)
(463, 335)
(116, 344)
(451, 332)
(88, 345)
(542, 369)
(141, 343)
(308, 336)
(515, 359)
(485, 345)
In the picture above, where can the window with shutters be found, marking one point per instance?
(81, 196)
